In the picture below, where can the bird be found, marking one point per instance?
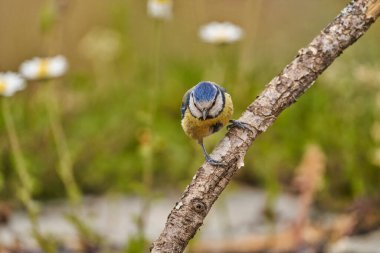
(205, 109)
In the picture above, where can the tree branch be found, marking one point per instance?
(282, 91)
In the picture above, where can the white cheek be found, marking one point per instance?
(218, 106)
(194, 111)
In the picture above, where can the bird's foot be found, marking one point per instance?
(239, 124)
(214, 162)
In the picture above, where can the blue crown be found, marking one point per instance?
(204, 91)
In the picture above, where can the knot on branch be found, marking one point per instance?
(198, 205)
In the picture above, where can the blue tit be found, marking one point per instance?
(205, 109)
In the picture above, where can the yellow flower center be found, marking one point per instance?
(222, 36)
(43, 68)
(2, 87)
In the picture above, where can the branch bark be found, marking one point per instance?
(281, 92)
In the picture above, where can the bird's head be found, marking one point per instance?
(206, 100)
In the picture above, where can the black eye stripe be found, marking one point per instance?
(213, 103)
(223, 102)
(195, 104)
(217, 92)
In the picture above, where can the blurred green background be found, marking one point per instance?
(119, 103)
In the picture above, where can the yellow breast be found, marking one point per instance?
(198, 129)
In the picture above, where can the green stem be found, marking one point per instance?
(221, 65)
(154, 108)
(20, 164)
(65, 168)
(24, 193)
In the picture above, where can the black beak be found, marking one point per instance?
(204, 114)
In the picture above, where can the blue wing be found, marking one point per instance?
(185, 103)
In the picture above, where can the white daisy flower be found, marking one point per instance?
(160, 9)
(220, 33)
(10, 83)
(43, 68)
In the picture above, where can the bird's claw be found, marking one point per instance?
(239, 124)
(214, 162)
